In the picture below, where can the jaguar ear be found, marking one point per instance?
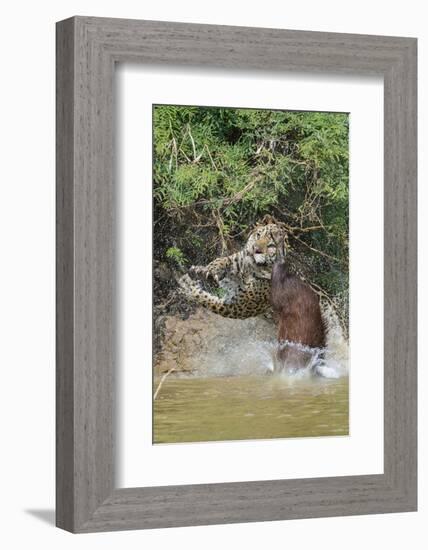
(268, 220)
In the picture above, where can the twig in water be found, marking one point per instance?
(162, 380)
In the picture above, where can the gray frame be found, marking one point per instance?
(87, 50)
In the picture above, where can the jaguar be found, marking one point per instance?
(243, 279)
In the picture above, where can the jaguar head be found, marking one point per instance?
(267, 243)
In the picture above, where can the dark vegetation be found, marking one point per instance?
(217, 171)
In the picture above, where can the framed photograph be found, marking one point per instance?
(241, 184)
(236, 274)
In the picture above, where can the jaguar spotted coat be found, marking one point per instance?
(243, 277)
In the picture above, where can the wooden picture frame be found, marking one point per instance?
(87, 50)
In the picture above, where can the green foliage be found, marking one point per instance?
(176, 255)
(217, 171)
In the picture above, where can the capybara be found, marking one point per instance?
(300, 321)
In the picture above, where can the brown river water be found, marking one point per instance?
(266, 406)
(238, 390)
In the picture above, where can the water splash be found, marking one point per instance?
(336, 356)
(207, 345)
(246, 351)
(301, 361)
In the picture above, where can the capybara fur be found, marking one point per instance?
(297, 308)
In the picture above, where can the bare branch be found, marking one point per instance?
(220, 226)
(162, 380)
(320, 252)
(193, 142)
(211, 158)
